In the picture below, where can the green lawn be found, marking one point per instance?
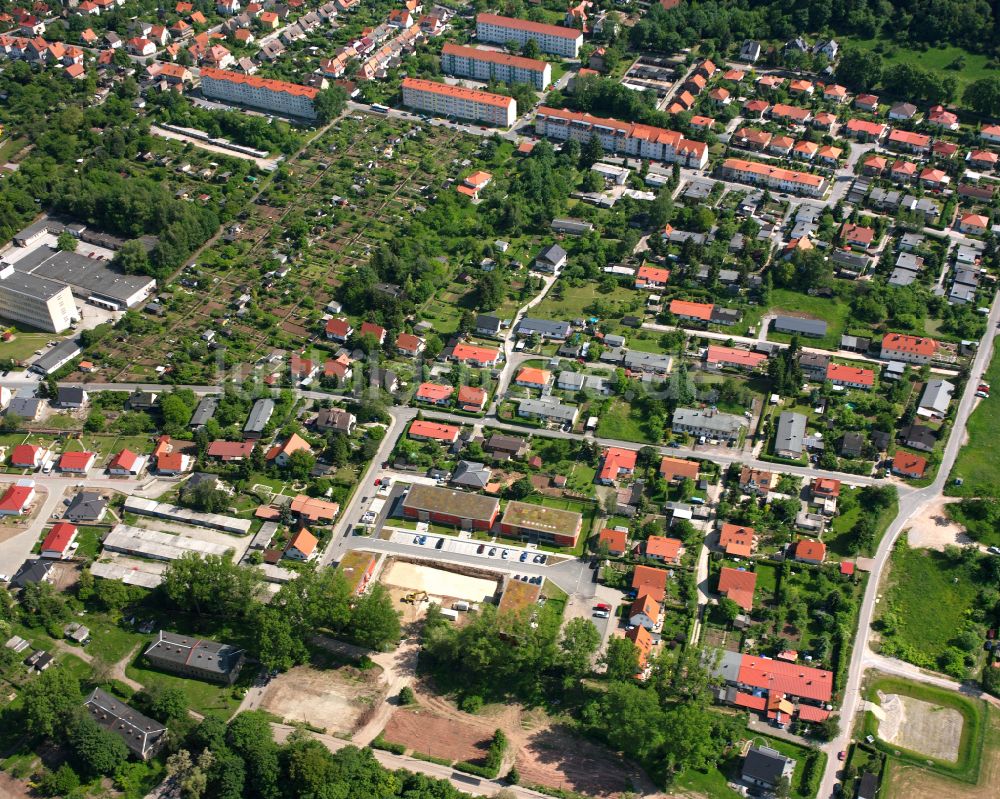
(935, 59)
(202, 697)
(577, 301)
(839, 540)
(833, 311)
(975, 464)
(621, 422)
(927, 603)
(973, 711)
(24, 344)
(713, 784)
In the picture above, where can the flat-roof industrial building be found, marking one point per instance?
(542, 523)
(448, 506)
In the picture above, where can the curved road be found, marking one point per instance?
(910, 505)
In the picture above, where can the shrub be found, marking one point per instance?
(472, 704)
(388, 746)
(406, 696)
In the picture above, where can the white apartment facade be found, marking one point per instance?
(643, 141)
(444, 100)
(273, 95)
(485, 65)
(36, 301)
(553, 39)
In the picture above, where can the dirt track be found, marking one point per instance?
(911, 782)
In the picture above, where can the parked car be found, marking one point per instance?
(480, 549)
(601, 614)
(524, 557)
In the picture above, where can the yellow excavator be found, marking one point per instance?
(415, 597)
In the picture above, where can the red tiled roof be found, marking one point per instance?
(658, 546)
(24, 455)
(750, 701)
(75, 461)
(912, 139)
(738, 585)
(813, 713)
(653, 273)
(616, 460)
(615, 539)
(736, 539)
(124, 460)
(471, 396)
(228, 450)
(15, 498)
(734, 356)
(493, 57)
(695, 310)
(260, 83)
(407, 342)
(59, 537)
(440, 432)
(757, 168)
(840, 373)
(370, 328)
(672, 468)
(316, 510)
(788, 678)
(899, 342)
(304, 541)
(647, 580)
(171, 462)
(469, 352)
(807, 549)
(434, 392)
(533, 376)
(338, 327)
(528, 26)
(827, 486)
(458, 92)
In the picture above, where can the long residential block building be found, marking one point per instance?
(36, 301)
(772, 177)
(470, 62)
(643, 141)
(271, 95)
(444, 100)
(554, 39)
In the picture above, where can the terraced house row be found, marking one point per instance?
(628, 138)
(772, 177)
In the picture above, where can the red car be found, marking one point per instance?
(603, 606)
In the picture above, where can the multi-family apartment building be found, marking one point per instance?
(772, 177)
(36, 301)
(444, 100)
(554, 39)
(643, 141)
(272, 95)
(469, 62)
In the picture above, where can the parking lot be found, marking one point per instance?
(501, 555)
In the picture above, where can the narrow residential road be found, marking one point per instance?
(910, 505)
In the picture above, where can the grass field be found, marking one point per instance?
(839, 539)
(975, 464)
(927, 601)
(936, 59)
(577, 299)
(973, 711)
(621, 422)
(24, 344)
(834, 312)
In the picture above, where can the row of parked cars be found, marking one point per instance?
(505, 553)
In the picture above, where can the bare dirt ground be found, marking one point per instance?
(911, 782)
(11, 788)
(545, 752)
(438, 582)
(933, 529)
(556, 758)
(333, 699)
(920, 726)
(424, 731)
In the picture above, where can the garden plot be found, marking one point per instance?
(921, 727)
